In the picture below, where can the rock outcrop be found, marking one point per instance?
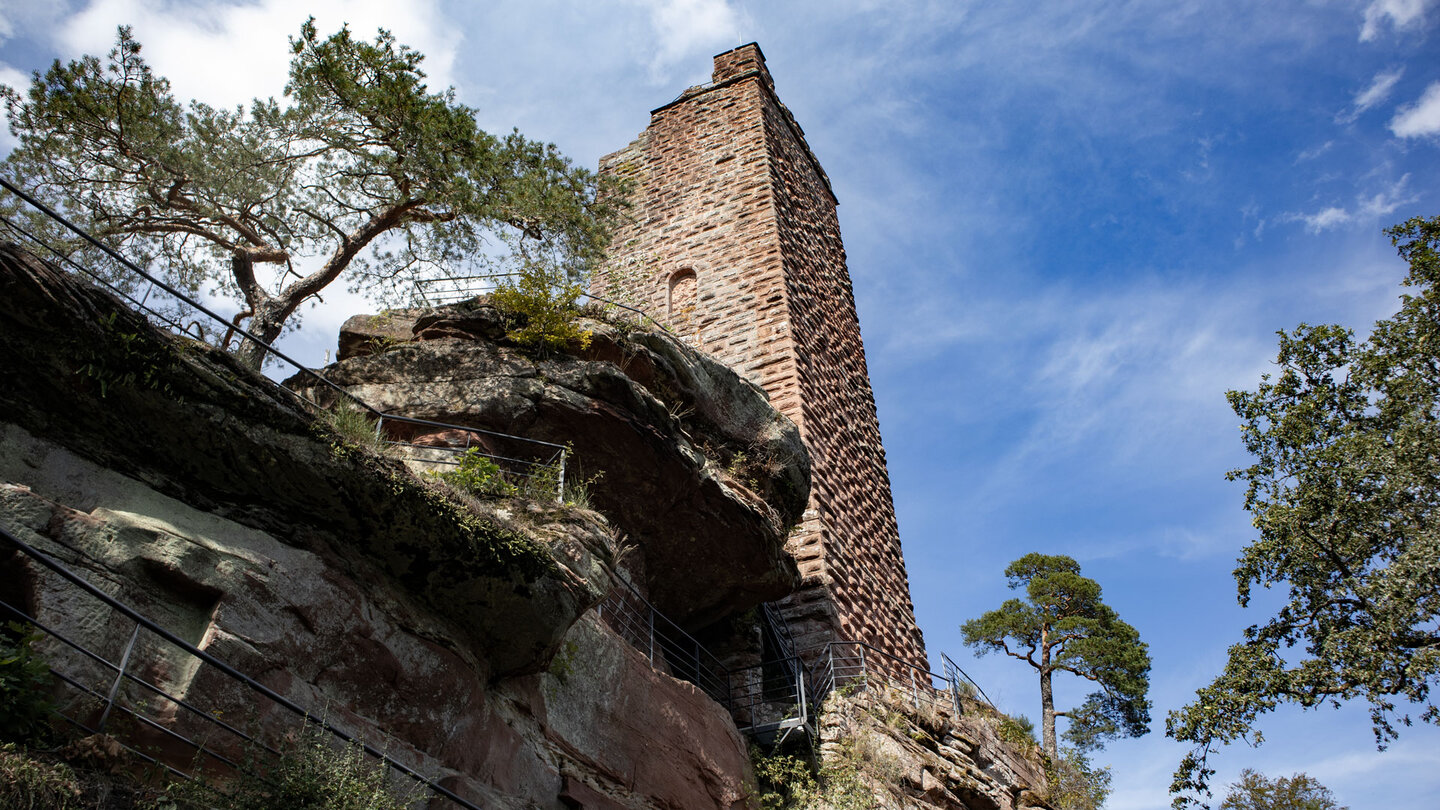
(454, 636)
(688, 459)
(918, 755)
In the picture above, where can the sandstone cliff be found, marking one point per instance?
(180, 482)
(460, 636)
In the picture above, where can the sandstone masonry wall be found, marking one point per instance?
(734, 243)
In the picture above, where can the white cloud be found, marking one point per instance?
(1311, 154)
(1378, 91)
(690, 29)
(1324, 220)
(229, 54)
(19, 81)
(1421, 118)
(1402, 14)
(1368, 208)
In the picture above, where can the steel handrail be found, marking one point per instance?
(235, 674)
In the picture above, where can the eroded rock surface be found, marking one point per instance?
(599, 725)
(684, 456)
(918, 755)
(89, 374)
(180, 482)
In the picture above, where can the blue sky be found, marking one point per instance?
(1072, 227)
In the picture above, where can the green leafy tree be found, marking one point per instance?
(1299, 792)
(1063, 626)
(362, 172)
(1345, 493)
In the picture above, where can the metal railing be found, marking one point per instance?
(453, 289)
(160, 727)
(858, 666)
(669, 648)
(169, 307)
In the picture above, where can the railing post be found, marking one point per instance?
(651, 611)
(800, 687)
(864, 671)
(119, 678)
(560, 481)
(914, 692)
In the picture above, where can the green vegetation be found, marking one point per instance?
(127, 358)
(30, 783)
(1018, 731)
(1063, 626)
(1074, 784)
(540, 309)
(1343, 493)
(790, 783)
(25, 705)
(1299, 792)
(362, 172)
(356, 426)
(314, 773)
(477, 475)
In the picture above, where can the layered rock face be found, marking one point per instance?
(917, 754)
(682, 454)
(456, 637)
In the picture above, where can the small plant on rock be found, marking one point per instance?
(315, 772)
(479, 476)
(1018, 731)
(28, 782)
(356, 426)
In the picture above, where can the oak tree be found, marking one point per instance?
(1345, 494)
(1063, 626)
(360, 171)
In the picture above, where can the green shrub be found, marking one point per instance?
(25, 706)
(479, 476)
(785, 781)
(1075, 784)
(1017, 730)
(540, 308)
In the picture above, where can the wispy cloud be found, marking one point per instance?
(1311, 154)
(1421, 119)
(1367, 208)
(688, 30)
(1379, 90)
(1401, 14)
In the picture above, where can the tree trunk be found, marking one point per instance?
(266, 323)
(1047, 715)
(267, 313)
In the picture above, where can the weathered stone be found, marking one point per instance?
(894, 747)
(88, 373)
(363, 335)
(682, 455)
(341, 638)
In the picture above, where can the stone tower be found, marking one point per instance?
(734, 244)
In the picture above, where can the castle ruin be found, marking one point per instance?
(733, 242)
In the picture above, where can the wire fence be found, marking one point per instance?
(170, 307)
(134, 680)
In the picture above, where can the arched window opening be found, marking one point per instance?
(684, 289)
